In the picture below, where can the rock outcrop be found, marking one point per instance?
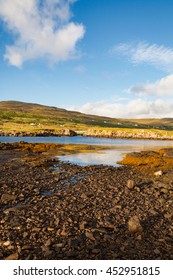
(128, 134)
(44, 133)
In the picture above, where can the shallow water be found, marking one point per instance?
(106, 157)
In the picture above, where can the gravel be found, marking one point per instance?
(54, 210)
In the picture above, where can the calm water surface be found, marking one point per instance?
(106, 157)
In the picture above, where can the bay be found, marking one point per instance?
(120, 147)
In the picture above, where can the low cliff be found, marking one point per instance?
(44, 133)
(130, 133)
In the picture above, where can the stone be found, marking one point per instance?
(58, 246)
(158, 173)
(139, 237)
(130, 184)
(57, 221)
(25, 234)
(68, 132)
(82, 225)
(36, 229)
(50, 229)
(14, 256)
(48, 242)
(7, 243)
(165, 191)
(134, 225)
(84, 196)
(5, 198)
(168, 216)
(48, 253)
(64, 233)
(96, 251)
(90, 235)
(157, 252)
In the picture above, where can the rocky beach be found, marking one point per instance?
(55, 210)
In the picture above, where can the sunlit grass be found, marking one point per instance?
(32, 118)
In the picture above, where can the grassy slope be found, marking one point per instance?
(19, 116)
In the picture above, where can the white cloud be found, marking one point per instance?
(41, 29)
(136, 108)
(162, 87)
(142, 52)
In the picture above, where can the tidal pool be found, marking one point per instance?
(104, 157)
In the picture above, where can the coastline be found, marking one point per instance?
(56, 210)
(136, 134)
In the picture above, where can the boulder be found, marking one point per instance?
(68, 132)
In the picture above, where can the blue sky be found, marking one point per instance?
(105, 57)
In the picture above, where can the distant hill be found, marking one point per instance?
(21, 115)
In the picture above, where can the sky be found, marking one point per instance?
(105, 57)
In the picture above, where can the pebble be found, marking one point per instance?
(5, 198)
(50, 229)
(14, 256)
(82, 225)
(57, 221)
(64, 233)
(58, 246)
(158, 173)
(134, 225)
(48, 242)
(88, 215)
(96, 251)
(7, 243)
(130, 184)
(157, 252)
(90, 235)
(168, 216)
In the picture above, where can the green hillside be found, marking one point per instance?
(21, 116)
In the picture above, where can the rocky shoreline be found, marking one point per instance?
(45, 133)
(130, 134)
(55, 210)
(116, 133)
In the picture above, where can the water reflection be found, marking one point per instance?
(105, 157)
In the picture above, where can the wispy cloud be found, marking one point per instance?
(41, 29)
(136, 108)
(162, 87)
(143, 52)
